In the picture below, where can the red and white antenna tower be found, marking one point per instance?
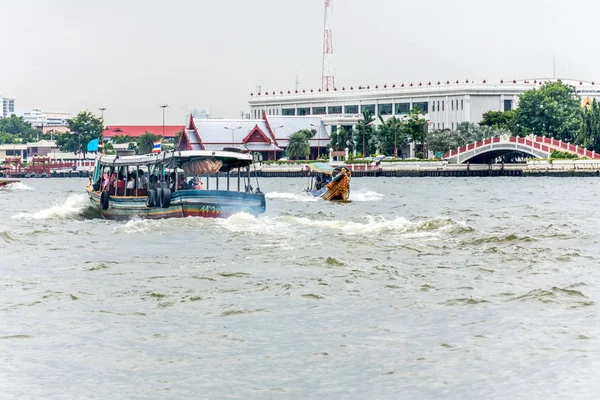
(328, 81)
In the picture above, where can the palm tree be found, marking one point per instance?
(298, 145)
(364, 128)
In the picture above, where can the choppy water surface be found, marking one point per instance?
(418, 289)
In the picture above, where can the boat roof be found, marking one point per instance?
(321, 167)
(230, 159)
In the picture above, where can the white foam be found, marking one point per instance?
(71, 207)
(16, 186)
(291, 196)
(365, 195)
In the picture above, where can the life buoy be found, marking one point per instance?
(158, 198)
(151, 199)
(104, 200)
(166, 198)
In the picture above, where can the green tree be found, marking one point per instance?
(298, 146)
(19, 128)
(365, 131)
(145, 143)
(465, 133)
(341, 139)
(414, 126)
(84, 128)
(589, 136)
(552, 110)
(498, 119)
(391, 136)
(120, 139)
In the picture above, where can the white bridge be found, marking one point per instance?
(538, 147)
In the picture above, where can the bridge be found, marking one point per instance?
(535, 146)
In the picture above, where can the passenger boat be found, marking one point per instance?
(159, 187)
(328, 182)
(4, 181)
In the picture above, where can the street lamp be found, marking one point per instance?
(163, 112)
(232, 134)
(274, 152)
(318, 138)
(102, 109)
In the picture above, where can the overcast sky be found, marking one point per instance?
(132, 55)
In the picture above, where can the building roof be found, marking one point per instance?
(216, 134)
(139, 130)
(42, 143)
(285, 126)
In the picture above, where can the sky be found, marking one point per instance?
(131, 56)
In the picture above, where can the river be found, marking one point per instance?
(420, 288)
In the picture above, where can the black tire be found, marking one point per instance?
(159, 197)
(104, 200)
(151, 199)
(166, 198)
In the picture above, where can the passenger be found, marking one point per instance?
(120, 185)
(142, 182)
(131, 182)
(197, 184)
(106, 181)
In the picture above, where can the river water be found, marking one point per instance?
(420, 288)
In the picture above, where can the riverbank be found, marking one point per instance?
(564, 168)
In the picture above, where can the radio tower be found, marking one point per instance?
(328, 81)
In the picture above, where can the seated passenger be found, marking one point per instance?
(197, 184)
(131, 182)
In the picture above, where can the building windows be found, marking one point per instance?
(288, 111)
(304, 111)
(318, 110)
(452, 104)
(334, 110)
(423, 106)
(461, 105)
(442, 107)
(507, 105)
(402, 108)
(433, 106)
(367, 107)
(385, 109)
(350, 109)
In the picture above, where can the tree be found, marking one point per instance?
(498, 119)
(414, 126)
(589, 136)
(145, 143)
(298, 146)
(366, 131)
(552, 110)
(465, 133)
(341, 139)
(84, 128)
(391, 135)
(18, 127)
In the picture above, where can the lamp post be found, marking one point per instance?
(164, 106)
(232, 134)
(274, 152)
(102, 109)
(318, 138)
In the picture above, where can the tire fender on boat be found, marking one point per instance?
(104, 200)
(166, 198)
(151, 199)
(159, 197)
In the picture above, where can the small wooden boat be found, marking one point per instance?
(159, 187)
(4, 181)
(328, 182)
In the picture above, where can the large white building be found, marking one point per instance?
(39, 119)
(8, 106)
(446, 104)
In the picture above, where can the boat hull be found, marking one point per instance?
(184, 203)
(5, 182)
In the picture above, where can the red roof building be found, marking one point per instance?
(138, 130)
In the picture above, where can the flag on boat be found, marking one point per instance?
(156, 147)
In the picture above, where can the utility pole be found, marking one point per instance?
(164, 106)
(102, 109)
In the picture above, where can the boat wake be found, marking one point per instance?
(365, 195)
(14, 187)
(291, 196)
(75, 206)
